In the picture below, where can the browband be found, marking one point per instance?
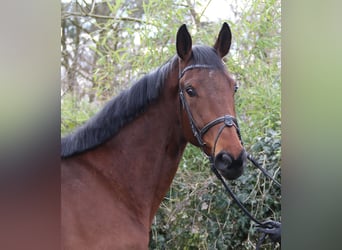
(194, 66)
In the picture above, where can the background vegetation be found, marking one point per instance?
(107, 44)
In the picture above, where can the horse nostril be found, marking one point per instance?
(223, 161)
(227, 160)
(229, 167)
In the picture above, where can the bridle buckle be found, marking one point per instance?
(228, 120)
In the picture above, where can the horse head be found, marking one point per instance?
(206, 91)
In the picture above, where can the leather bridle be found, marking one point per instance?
(227, 120)
(269, 228)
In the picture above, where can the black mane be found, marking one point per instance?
(128, 105)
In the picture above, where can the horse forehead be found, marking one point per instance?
(205, 74)
(216, 77)
(211, 74)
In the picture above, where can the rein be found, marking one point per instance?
(267, 228)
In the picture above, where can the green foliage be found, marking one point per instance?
(197, 213)
(75, 113)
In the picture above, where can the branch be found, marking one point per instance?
(129, 19)
(194, 14)
(205, 8)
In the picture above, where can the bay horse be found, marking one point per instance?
(118, 166)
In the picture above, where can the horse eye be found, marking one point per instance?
(190, 91)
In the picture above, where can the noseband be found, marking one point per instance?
(227, 120)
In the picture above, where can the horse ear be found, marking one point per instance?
(184, 43)
(223, 41)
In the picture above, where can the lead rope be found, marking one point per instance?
(269, 228)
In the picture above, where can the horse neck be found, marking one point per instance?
(140, 162)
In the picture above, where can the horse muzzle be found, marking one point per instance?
(229, 167)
